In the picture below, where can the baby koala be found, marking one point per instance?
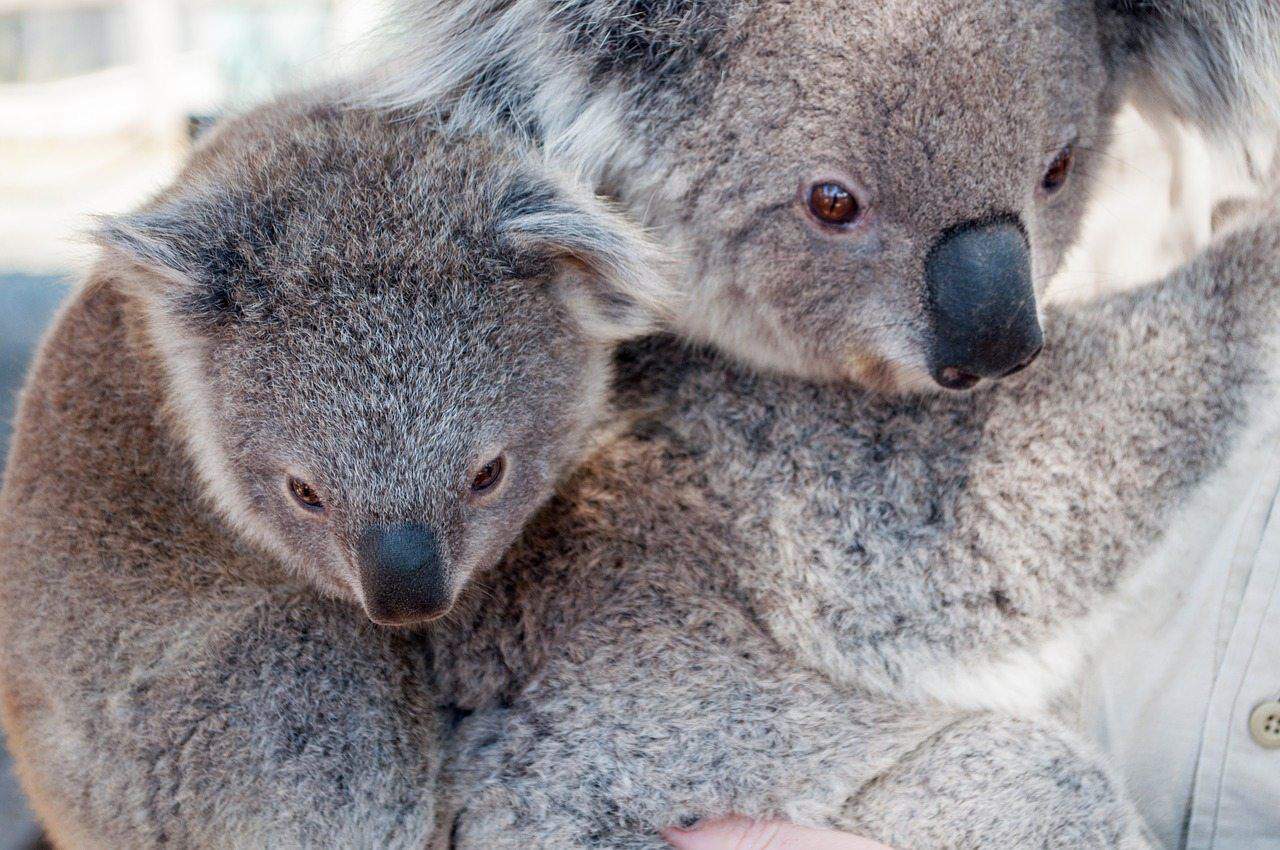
(382, 346)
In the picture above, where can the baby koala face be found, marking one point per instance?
(385, 347)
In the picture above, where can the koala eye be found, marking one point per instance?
(832, 203)
(489, 476)
(1059, 170)
(305, 495)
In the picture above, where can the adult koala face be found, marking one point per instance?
(866, 191)
(898, 182)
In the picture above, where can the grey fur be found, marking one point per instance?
(688, 598)
(326, 293)
(674, 591)
(1211, 63)
(780, 592)
(707, 116)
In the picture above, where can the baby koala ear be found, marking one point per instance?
(179, 256)
(153, 251)
(614, 277)
(1213, 63)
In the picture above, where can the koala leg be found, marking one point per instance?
(264, 720)
(995, 781)
(655, 724)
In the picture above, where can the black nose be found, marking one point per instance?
(982, 303)
(402, 574)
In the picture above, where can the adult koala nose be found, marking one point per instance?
(403, 575)
(982, 302)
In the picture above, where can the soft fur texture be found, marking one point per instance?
(768, 583)
(755, 604)
(729, 610)
(323, 293)
(303, 288)
(708, 117)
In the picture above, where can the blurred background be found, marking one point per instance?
(99, 101)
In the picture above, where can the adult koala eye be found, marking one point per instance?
(833, 203)
(489, 476)
(1055, 177)
(306, 496)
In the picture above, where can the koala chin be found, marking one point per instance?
(350, 385)
(869, 192)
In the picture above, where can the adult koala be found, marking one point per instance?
(800, 600)
(866, 191)
(841, 223)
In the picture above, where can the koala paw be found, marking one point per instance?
(489, 820)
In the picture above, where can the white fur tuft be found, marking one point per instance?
(1215, 63)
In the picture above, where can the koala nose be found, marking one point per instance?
(403, 575)
(982, 303)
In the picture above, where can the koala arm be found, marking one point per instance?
(654, 717)
(276, 722)
(1052, 485)
(675, 707)
(990, 780)
(608, 752)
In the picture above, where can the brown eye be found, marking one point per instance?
(305, 495)
(489, 475)
(1059, 170)
(832, 203)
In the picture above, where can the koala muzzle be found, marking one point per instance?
(403, 575)
(982, 303)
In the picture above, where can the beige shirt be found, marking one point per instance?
(1175, 696)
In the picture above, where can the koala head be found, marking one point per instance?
(881, 191)
(868, 191)
(383, 346)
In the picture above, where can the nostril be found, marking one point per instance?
(952, 378)
(1025, 363)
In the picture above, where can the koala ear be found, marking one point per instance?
(1213, 63)
(183, 255)
(157, 242)
(617, 280)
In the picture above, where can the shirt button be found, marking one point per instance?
(1264, 725)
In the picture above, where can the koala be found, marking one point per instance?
(875, 192)
(291, 384)
(802, 600)
(653, 676)
(351, 392)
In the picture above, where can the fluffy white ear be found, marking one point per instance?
(618, 280)
(1214, 63)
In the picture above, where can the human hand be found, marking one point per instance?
(745, 834)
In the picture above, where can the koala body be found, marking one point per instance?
(799, 600)
(816, 161)
(240, 710)
(282, 392)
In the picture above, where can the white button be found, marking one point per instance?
(1264, 725)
